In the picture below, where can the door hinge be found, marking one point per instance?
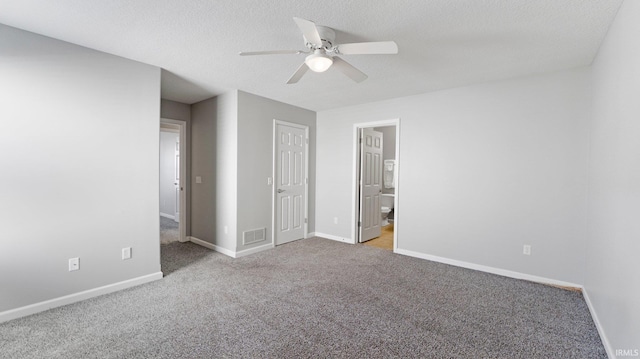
(359, 224)
(305, 220)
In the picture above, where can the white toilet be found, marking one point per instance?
(386, 204)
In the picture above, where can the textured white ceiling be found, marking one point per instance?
(442, 43)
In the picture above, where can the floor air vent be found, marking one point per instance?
(253, 236)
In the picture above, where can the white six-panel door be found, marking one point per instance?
(290, 183)
(370, 184)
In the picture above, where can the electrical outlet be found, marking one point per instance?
(526, 250)
(335, 220)
(126, 253)
(74, 264)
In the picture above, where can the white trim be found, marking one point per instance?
(356, 187)
(487, 269)
(396, 197)
(355, 181)
(228, 252)
(212, 246)
(596, 321)
(312, 234)
(167, 216)
(172, 130)
(184, 183)
(334, 238)
(277, 122)
(246, 252)
(76, 297)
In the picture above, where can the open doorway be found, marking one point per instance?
(172, 181)
(376, 202)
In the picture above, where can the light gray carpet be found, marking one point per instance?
(169, 231)
(312, 298)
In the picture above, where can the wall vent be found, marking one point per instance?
(254, 236)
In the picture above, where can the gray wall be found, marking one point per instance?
(255, 160)
(614, 189)
(203, 199)
(483, 170)
(175, 110)
(67, 189)
(213, 157)
(226, 169)
(232, 150)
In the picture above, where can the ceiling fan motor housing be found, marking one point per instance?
(327, 35)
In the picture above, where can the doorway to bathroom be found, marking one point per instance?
(376, 149)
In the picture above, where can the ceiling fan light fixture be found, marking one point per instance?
(321, 40)
(319, 61)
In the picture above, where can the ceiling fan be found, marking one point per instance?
(322, 50)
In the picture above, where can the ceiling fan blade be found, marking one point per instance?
(309, 31)
(298, 74)
(368, 48)
(272, 52)
(348, 69)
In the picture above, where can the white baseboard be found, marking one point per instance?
(311, 234)
(253, 250)
(228, 252)
(596, 321)
(483, 268)
(334, 238)
(211, 246)
(168, 216)
(76, 297)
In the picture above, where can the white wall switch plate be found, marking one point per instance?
(126, 253)
(198, 179)
(74, 264)
(269, 181)
(526, 250)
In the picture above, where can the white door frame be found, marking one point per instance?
(182, 225)
(356, 173)
(274, 178)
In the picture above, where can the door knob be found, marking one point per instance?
(280, 190)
